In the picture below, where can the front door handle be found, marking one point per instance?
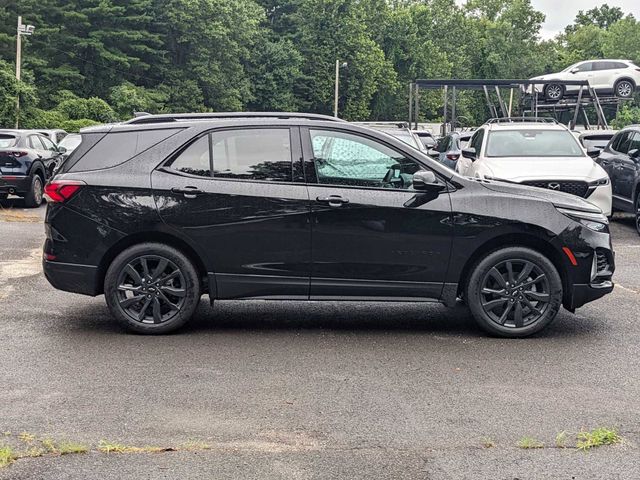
(188, 192)
(334, 201)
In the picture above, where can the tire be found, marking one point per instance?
(34, 196)
(637, 205)
(495, 303)
(553, 92)
(624, 88)
(159, 301)
(3, 197)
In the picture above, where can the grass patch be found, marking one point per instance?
(597, 438)
(561, 439)
(194, 445)
(530, 442)
(110, 447)
(66, 448)
(7, 456)
(27, 437)
(488, 442)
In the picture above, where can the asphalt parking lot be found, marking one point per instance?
(312, 390)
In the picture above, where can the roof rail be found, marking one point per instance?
(188, 117)
(384, 124)
(522, 120)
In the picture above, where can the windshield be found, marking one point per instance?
(405, 136)
(533, 143)
(7, 141)
(70, 142)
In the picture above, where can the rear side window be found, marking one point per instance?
(35, 143)
(48, 144)
(118, 147)
(7, 141)
(622, 143)
(248, 154)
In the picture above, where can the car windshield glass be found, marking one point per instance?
(405, 136)
(70, 142)
(7, 141)
(570, 67)
(533, 143)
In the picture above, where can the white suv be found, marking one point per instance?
(538, 153)
(619, 77)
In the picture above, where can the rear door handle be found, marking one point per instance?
(334, 201)
(188, 192)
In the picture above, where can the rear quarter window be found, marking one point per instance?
(116, 148)
(7, 141)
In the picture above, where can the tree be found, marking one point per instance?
(623, 40)
(602, 17)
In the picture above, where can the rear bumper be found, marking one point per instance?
(15, 184)
(71, 277)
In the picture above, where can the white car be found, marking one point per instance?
(617, 77)
(536, 153)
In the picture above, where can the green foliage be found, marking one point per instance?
(72, 126)
(626, 116)
(529, 442)
(597, 438)
(215, 55)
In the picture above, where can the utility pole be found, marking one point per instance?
(336, 93)
(22, 30)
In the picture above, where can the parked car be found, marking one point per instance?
(538, 153)
(27, 160)
(70, 142)
(426, 137)
(449, 148)
(55, 135)
(399, 130)
(616, 77)
(621, 160)
(296, 207)
(595, 139)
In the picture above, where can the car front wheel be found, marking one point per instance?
(152, 288)
(514, 292)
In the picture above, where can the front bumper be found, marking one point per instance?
(71, 277)
(583, 294)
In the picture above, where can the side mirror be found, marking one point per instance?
(62, 150)
(593, 152)
(426, 180)
(634, 153)
(574, 70)
(470, 153)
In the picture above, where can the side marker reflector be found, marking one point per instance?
(569, 254)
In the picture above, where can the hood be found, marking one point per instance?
(559, 199)
(521, 169)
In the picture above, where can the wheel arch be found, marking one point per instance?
(152, 237)
(37, 168)
(629, 79)
(516, 240)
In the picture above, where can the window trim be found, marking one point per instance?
(310, 171)
(294, 144)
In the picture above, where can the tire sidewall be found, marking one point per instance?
(483, 266)
(546, 92)
(615, 89)
(30, 198)
(189, 272)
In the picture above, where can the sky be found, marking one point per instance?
(560, 13)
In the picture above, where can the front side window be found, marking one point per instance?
(635, 142)
(346, 159)
(249, 154)
(623, 142)
(533, 143)
(585, 67)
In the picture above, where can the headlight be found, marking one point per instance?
(593, 221)
(599, 182)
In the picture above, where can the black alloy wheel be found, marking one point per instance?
(152, 288)
(514, 292)
(638, 213)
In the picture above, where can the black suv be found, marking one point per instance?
(27, 160)
(621, 160)
(158, 211)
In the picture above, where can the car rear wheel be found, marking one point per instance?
(514, 292)
(152, 288)
(624, 89)
(33, 198)
(638, 213)
(553, 92)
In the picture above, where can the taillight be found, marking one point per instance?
(453, 156)
(17, 154)
(62, 190)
